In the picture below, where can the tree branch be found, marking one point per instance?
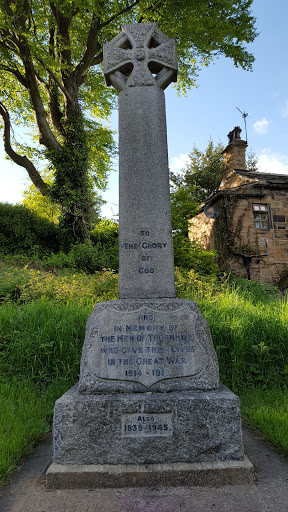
(40, 79)
(46, 135)
(56, 113)
(93, 46)
(64, 49)
(117, 14)
(55, 78)
(9, 42)
(22, 50)
(21, 78)
(8, 8)
(151, 8)
(97, 59)
(63, 24)
(29, 81)
(23, 161)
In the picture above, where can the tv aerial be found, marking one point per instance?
(244, 115)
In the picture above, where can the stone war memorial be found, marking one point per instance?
(148, 409)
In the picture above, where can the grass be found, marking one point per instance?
(24, 418)
(268, 411)
(24, 284)
(249, 326)
(42, 340)
(42, 325)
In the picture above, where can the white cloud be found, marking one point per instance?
(273, 163)
(261, 126)
(284, 111)
(178, 162)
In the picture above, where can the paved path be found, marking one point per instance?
(26, 492)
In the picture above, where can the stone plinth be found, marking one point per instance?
(147, 345)
(176, 474)
(148, 397)
(147, 428)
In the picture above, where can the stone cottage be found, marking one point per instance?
(246, 220)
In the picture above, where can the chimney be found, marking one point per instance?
(234, 154)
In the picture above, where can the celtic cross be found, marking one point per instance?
(140, 63)
(140, 55)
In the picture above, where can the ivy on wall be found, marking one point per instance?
(228, 232)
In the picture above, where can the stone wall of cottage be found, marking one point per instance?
(201, 229)
(261, 254)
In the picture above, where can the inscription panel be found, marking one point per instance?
(145, 346)
(147, 425)
(144, 252)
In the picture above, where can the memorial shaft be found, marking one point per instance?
(146, 263)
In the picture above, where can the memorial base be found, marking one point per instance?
(216, 474)
(147, 428)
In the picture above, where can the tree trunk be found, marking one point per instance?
(71, 188)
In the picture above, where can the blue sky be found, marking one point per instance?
(210, 110)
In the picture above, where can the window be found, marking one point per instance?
(261, 218)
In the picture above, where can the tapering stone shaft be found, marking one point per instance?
(146, 266)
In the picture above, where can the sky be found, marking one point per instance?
(209, 111)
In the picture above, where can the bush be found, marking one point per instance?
(84, 257)
(23, 231)
(190, 255)
(104, 238)
(105, 231)
(87, 257)
(99, 253)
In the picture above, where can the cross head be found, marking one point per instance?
(141, 55)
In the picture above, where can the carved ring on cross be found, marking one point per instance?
(140, 55)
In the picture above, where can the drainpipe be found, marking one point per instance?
(227, 220)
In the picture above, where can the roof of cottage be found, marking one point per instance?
(241, 181)
(264, 178)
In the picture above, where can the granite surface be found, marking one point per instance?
(141, 55)
(147, 345)
(146, 260)
(147, 428)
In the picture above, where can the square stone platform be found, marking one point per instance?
(213, 474)
(112, 440)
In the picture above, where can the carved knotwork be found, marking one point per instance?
(140, 55)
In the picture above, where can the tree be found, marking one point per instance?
(252, 162)
(45, 207)
(50, 63)
(201, 178)
(189, 188)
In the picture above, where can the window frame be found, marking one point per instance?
(263, 212)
